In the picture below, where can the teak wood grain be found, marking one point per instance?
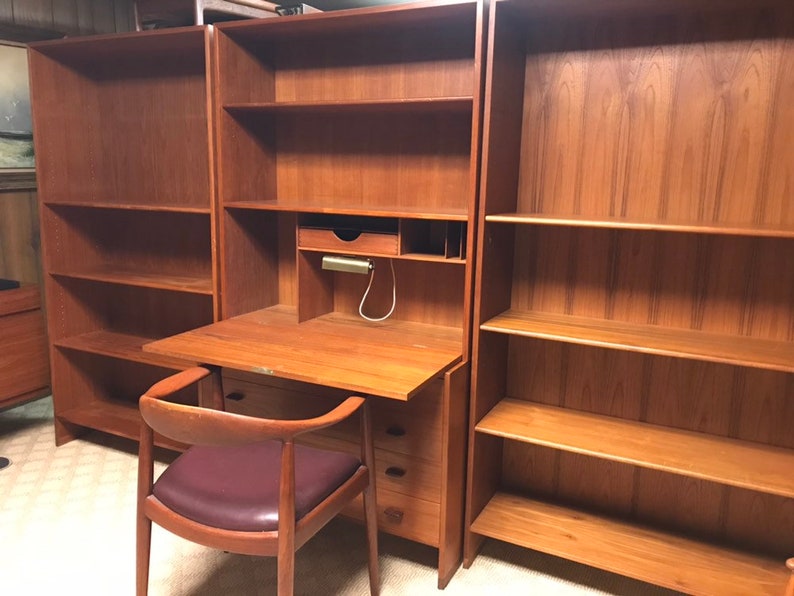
(635, 240)
(394, 359)
(684, 343)
(677, 563)
(749, 465)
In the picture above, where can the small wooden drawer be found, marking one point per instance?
(403, 516)
(395, 472)
(411, 428)
(374, 243)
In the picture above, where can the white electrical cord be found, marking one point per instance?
(393, 295)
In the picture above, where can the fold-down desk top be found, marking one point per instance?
(394, 359)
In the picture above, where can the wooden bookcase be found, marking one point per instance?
(123, 136)
(357, 133)
(633, 360)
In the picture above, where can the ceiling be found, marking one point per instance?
(342, 4)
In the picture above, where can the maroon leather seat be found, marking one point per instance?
(234, 488)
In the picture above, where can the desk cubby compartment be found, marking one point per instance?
(164, 250)
(348, 234)
(124, 119)
(429, 238)
(100, 392)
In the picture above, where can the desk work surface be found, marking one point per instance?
(393, 359)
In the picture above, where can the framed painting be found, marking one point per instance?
(17, 165)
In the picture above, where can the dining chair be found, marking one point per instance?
(243, 485)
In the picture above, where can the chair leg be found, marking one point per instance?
(371, 523)
(142, 554)
(286, 572)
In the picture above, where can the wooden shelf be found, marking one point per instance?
(647, 339)
(664, 559)
(126, 46)
(162, 208)
(114, 417)
(618, 223)
(174, 283)
(737, 463)
(124, 346)
(414, 256)
(385, 106)
(330, 207)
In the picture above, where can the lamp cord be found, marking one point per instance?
(393, 295)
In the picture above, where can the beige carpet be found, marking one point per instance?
(67, 527)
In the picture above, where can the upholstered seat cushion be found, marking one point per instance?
(237, 488)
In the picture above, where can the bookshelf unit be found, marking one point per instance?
(357, 133)
(633, 359)
(123, 135)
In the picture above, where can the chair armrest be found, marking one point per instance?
(177, 381)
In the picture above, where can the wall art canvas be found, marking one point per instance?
(16, 136)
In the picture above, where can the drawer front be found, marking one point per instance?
(365, 242)
(410, 428)
(394, 472)
(402, 516)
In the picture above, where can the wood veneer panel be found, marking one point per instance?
(158, 249)
(747, 465)
(338, 207)
(400, 160)
(693, 123)
(118, 345)
(735, 286)
(393, 359)
(769, 354)
(634, 551)
(660, 225)
(412, 105)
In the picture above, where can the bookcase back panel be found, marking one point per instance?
(259, 260)
(399, 160)
(421, 61)
(141, 134)
(69, 151)
(157, 140)
(680, 504)
(731, 401)
(426, 292)
(128, 241)
(735, 286)
(125, 309)
(680, 119)
(113, 380)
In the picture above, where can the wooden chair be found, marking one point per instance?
(790, 586)
(244, 486)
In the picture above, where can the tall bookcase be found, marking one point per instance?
(123, 137)
(633, 361)
(356, 133)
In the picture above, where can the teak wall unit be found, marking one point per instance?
(633, 361)
(357, 133)
(123, 127)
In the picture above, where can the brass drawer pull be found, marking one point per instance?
(395, 472)
(395, 431)
(393, 514)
